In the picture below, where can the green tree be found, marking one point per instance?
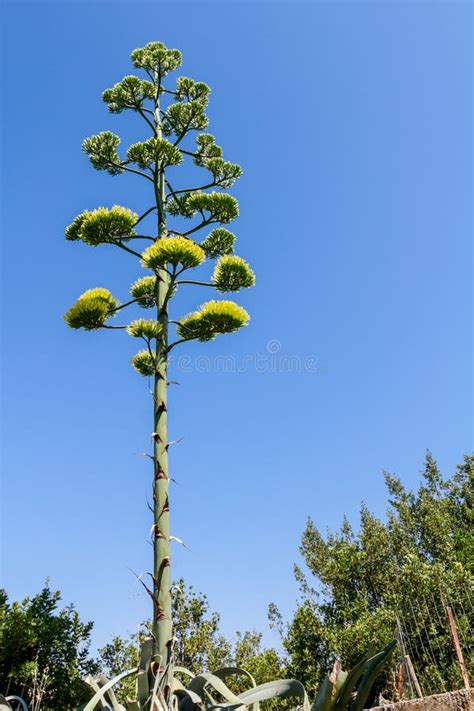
(44, 651)
(360, 581)
(171, 113)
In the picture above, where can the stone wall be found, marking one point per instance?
(453, 701)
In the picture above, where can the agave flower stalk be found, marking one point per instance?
(171, 115)
(162, 625)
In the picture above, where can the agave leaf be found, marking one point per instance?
(188, 700)
(156, 703)
(280, 689)
(110, 696)
(351, 680)
(325, 697)
(179, 688)
(186, 693)
(331, 687)
(183, 670)
(156, 697)
(143, 688)
(93, 683)
(100, 695)
(200, 681)
(146, 653)
(373, 668)
(224, 672)
(210, 701)
(20, 701)
(178, 685)
(340, 682)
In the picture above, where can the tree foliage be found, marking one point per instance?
(358, 582)
(44, 651)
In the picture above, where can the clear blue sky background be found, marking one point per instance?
(353, 121)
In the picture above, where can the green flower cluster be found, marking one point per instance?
(206, 147)
(173, 250)
(218, 242)
(212, 319)
(156, 57)
(144, 363)
(180, 118)
(154, 150)
(209, 155)
(223, 172)
(144, 290)
(190, 90)
(145, 328)
(103, 225)
(232, 273)
(91, 310)
(130, 93)
(220, 207)
(102, 152)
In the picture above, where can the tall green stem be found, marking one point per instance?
(162, 621)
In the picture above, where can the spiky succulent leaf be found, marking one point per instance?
(220, 207)
(98, 683)
(212, 319)
(129, 93)
(229, 672)
(103, 225)
(91, 309)
(372, 670)
(232, 273)
(173, 250)
(144, 363)
(154, 150)
(224, 173)
(190, 90)
(279, 689)
(18, 702)
(144, 289)
(206, 148)
(218, 242)
(104, 690)
(202, 682)
(180, 118)
(145, 328)
(156, 56)
(330, 688)
(346, 692)
(102, 152)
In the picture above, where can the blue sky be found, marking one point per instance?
(353, 122)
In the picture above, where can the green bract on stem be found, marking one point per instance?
(172, 115)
